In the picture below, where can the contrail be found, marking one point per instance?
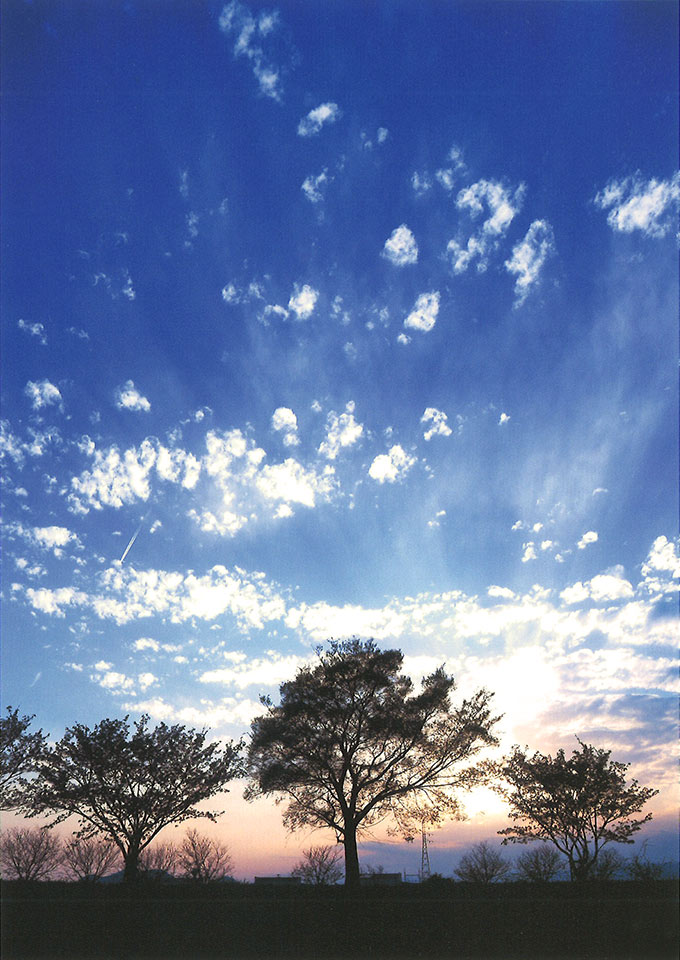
(132, 540)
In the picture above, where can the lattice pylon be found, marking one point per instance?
(424, 855)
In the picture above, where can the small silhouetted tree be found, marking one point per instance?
(350, 743)
(608, 866)
(19, 753)
(29, 853)
(640, 867)
(579, 803)
(483, 864)
(320, 865)
(159, 858)
(130, 784)
(539, 864)
(89, 858)
(204, 858)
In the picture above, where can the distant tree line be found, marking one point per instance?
(350, 744)
(36, 853)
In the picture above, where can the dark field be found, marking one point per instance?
(437, 920)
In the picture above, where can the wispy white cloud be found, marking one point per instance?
(502, 205)
(424, 313)
(528, 257)
(268, 671)
(35, 330)
(633, 204)
(421, 182)
(325, 113)
(128, 397)
(391, 466)
(401, 247)
(249, 30)
(314, 188)
(42, 393)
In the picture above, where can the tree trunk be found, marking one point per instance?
(131, 871)
(352, 879)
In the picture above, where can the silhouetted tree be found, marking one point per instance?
(204, 858)
(19, 753)
(159, 858)
(540, 864)
(482, 865)
(320, 865)
(128, 784)
(578, 803)
(350, 743)
(29, 853)
(89, 858)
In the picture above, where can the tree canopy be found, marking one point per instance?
(130, 784)
(578, 803)
(350, 744)
(19, 753)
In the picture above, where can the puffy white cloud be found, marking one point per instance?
(602, 588)
(147, 643)
(146, 680)
(529, 551)
(177, 466)
(302, 301)
(342, 430)
(502, 206)
(634, 204)
(424, 313)
(589, 537)
(124, 594)
(391, 466)
(661, 570)
(438, 420)
(229, 710)
(114, 479)
(503, 593)
(54, 538)
(291, 482)
(129, 398)
(42, 393)
(53, 602)
(528, 257)
(35, 330)
(504, 417)
(321, 620)
(401, 247)
(284, 421)
(325, 113)
(314, 188)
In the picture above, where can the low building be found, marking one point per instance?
(381, 879)
(279, 881)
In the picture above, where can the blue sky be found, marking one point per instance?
(343, 318)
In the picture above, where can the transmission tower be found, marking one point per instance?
(424, 855)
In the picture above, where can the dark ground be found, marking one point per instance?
(513, 921)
